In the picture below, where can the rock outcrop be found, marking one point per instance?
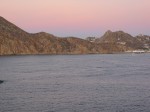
(1, 81)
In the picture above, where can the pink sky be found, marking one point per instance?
(79, 18)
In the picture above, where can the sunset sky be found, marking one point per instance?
(79, 18)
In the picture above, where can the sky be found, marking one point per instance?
(80, 18)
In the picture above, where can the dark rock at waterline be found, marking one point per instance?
(1, 81)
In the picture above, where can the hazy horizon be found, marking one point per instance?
(80, 18)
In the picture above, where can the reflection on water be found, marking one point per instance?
(75, 83)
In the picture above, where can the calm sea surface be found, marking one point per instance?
(75, 83)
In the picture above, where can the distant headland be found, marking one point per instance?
(15, 41)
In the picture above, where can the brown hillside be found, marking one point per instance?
(119, 41)
(14, 40)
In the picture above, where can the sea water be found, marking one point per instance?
(75, 83)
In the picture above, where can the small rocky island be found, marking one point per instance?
(15, 41)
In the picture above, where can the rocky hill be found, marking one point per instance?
(15, 41)
(120, 41)
(145, 40)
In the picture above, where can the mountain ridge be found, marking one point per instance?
(15, 41)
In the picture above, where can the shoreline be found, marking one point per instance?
(73, 54)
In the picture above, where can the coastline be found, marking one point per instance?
(51, 54)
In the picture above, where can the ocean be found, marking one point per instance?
(75, 83)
